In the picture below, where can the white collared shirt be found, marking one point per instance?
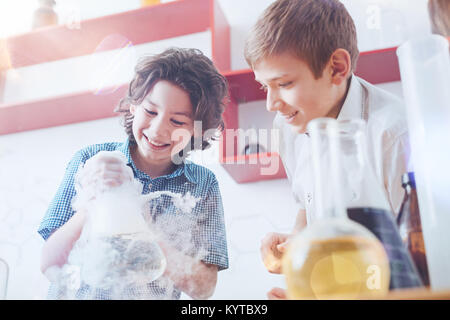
(388, 145)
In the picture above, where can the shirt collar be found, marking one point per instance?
(125, 149)
(185, 168)
(352, 107)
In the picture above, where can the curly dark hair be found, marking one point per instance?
(190, 70)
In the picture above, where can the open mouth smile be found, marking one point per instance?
(156, 145)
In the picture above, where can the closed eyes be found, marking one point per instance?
(152, 113)
(175, 122)
(280, 85)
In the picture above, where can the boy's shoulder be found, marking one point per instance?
(200, 173)
(387, 112)
(381, 99)
(91, 150)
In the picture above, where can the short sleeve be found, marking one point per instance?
(60, 209)
(211, 234)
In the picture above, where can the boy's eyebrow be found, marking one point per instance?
(186, 114)
(273, 79)
(183, 114)
(151, 102)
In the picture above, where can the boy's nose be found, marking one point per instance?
(273, 102)
(159, 128)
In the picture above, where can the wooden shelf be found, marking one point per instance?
(143, 25)
(67, 109)
(147, 24)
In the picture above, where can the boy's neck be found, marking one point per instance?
(153, 170)
(334, 113)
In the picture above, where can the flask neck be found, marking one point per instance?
(325, 146)
(344, 177)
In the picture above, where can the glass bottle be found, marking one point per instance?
(367, 204)
(410, 227)
(45, 15)
(334, 257)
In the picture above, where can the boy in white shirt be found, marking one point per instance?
(304, 53)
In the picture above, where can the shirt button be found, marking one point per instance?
(309, 197)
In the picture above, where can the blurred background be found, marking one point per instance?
(32, 162)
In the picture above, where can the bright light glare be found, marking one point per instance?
(16, 16)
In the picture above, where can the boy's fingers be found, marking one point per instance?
(112, 182)
(282, 247)
(103, 160)
(277, 294)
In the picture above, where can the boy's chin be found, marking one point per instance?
(298, 128)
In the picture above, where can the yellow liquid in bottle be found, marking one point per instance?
(340, 268)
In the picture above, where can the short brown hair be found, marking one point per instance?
(439, 11)
(188, 69)
(310, 29)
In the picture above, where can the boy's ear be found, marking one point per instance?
(341, 65)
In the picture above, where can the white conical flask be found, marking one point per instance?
(334, 257)
(117, 248)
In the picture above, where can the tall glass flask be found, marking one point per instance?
(366, 202)
(425, 73)
(334, 257)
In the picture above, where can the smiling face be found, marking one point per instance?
(165, 109)
(293, 91)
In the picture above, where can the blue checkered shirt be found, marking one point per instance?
(207, 215)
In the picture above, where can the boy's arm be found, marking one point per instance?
(61, 227)
(196, 278)
(300, 221)
(58, 246)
